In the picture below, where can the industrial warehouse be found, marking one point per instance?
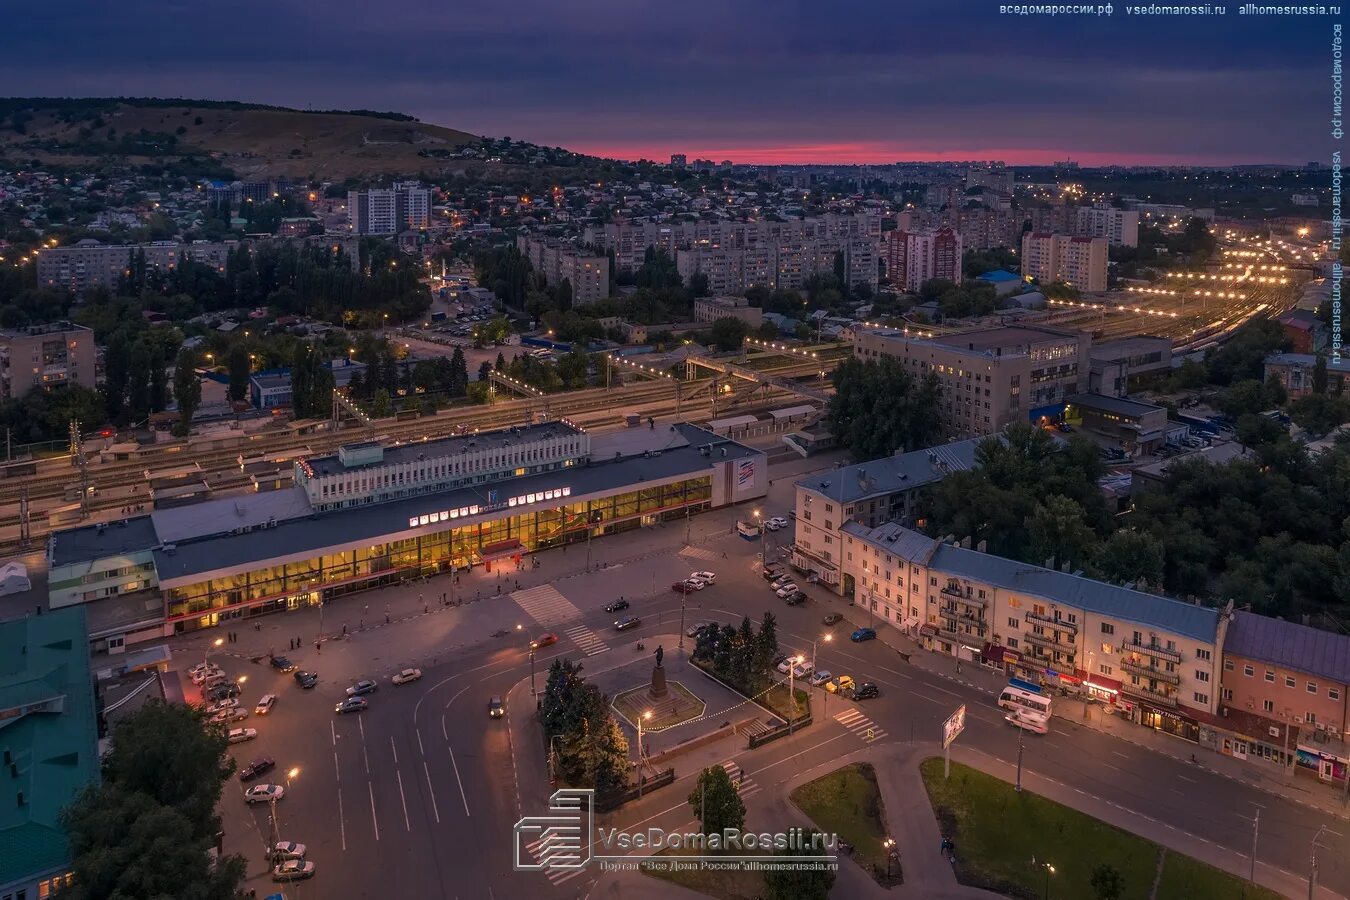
(373, 514)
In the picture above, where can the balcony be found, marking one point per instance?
(959, 596)
(1159, 697)
(1147, 671)
(1057, 624)
(1049, 643)
(950, 628)
(1154, 650)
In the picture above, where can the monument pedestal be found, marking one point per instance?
(658, 690)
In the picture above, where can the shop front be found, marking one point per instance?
(1169, 722)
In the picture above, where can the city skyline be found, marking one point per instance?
(858, 83)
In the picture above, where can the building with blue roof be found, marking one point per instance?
(1156, 658)
(1004, 282)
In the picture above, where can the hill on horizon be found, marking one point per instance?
(251, 140)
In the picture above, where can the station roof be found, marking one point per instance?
(393, 455)
(90, 542)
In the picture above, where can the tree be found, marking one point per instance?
(138, 384)
(1107, 882)
(716, 802)
(1129, 555)
(159, 380)
(1319, 380)
(805, 883)
(240, 368)
(729, 333)
(187, 390)
(1057, 530)
(485, 370)
(459, 374)
(878, 409)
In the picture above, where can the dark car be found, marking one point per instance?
(222, 691)
(865, 691)
(771, 572)
(365, 686)
(495, 708)
(683, 587)
(833, 619)
(617, 606)
(282, 664)
(256, 769)
(306, 679)
(796, 598)
(626, 623)
(863, 634)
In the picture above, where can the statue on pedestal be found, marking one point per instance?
(660, 652)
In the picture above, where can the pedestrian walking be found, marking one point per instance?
(318, 647)
(386, 618)
(344, 629)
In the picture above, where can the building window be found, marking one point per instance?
(1270, 676)
(1248, 671)
(1201, 653)
(1012, 643)
(1289, 681)
(1106, 648)
(1334, 693)
(1268, 705)
(1104, 669)
(1228, 665)
(1201, 675)
(1312, 687)
(1227, 695)
(1202, 699)
(1012, 623)
(1108, 628)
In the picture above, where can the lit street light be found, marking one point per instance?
(645, 715)
(889, 844)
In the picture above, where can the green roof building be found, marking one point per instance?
(48, 746)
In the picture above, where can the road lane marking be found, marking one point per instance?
(420, 748)
(337, 771)
(1184, 778)
(457, 778)
(432, 791)
(365, 755)
(393, 749)
(1121, 755)
(342, 822)
(373, 817)
(406, 822)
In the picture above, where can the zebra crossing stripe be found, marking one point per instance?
(546, 605)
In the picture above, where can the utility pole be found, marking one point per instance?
(1021, 733)
(1256, 833)
(1312, 863)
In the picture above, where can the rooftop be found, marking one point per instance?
(331, 464)
(1000, 276)
(1130, 346)
(225, 514)
(1291, 359)
(1117, 405)
(902, 472)
(1288, 644)
(90, 542)
(55, 749)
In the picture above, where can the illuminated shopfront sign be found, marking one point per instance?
(447, 515)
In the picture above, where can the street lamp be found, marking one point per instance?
(206, 654)
(888, 844)
(824, 637)
(1020, 733)
(792, 690)
(1049, 870)
(763, 559)
(645, 715)
(532, 690)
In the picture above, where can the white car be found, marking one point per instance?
(705, 577)
(226, 716)
(787, 590)
(696, 583)
(239, 735)
(780, 581)
(288, 850)
(786, 665)
(222, 705)
(265, 704)
(201, 675)
(695, 629)
(264, 793)
(406, 676)
(801, 670)
(821, 677)
(778, 522)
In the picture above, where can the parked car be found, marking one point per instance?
(626, 623)
(239, 735)
(364, 686)
(222, 691)
(865, 691)
(226, 716)
(833, 619)
(264, 793)
(778, 662)
(841, 684)
(796, 598)
(495, 708)
(293, 870)
(305, 679)
(288, 850)
(803, 669)
(258, 768)
(350, 705)
(820, 678)
(863, 634)
(265, 704)
(547, 639)
(787, 590)
(407, 676)
(780, 580)
(200, 676)
(282, 664)
(778, 522)
(786, 663)
(771, 572)
(684, 587)
(705, 577)
(222, 705)
(694, 629)
(616, 606)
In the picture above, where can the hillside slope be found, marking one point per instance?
(250, 140)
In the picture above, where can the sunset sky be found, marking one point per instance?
(747, 80)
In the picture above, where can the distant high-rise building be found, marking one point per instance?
(913, 257)
(45, 356)
(1120, 227)
(588, 273)
(1079, 261)
(90, 264)
(404, 207)
(678, 160)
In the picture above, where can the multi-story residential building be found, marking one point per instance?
(710, 309)
(50, 743)
(45, 356)
(404, 207)
(1079, 261)
(1283, 695)
(913, 257)
(993, 376)
(870, 493)
(91, 264)
(678, 160)
(588, 273)
(1120, 227)
(997, 177)
(1155, 658)
(1295, 372)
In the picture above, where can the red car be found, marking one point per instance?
(546, 639)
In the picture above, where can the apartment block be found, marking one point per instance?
(556, 261)
(1078, 261)
(1154, 658)
(710, 309)
(913, 257)
(44, 356)
(404, 207)
(1120, 227)
(992, 376)
(1295, 372)
(90, 264)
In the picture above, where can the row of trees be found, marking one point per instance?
(591, 749)
(742, 657)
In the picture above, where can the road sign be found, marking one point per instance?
(953, 727)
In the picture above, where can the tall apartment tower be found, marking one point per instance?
(1079, 261)
(913, 257)
(404, 207)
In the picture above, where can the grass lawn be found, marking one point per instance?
(998, 831)
(776, 699)
(731, 884)
(847, 802)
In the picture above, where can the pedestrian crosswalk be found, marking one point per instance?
(700, 553)
(555, 875)
(860, 725)
(546, 605)
(744, 784)
(589, 642)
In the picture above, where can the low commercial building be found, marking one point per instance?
(710, 309)
(1127, 425)
(41, 357)
(1114, 364)
(49, 744)
(1155, 658)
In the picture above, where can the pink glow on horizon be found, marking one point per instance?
(874, 153)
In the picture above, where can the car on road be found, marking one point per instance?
(222, 705)
(770, 573)
(350, 705)
(832, 619)
(264, 793)
(364, 686)
(288, 850)
(841, 684)
(787, 590)
(222, 691)
(239, 735)
(407, 676)
(694, 629)
(306, 679)
(282, 664)
(547, 639)
(778, 522)
(226, 716)
(688, 586)
(820, 678)
(796, 598)
(626, 623)
(780, 580)
(293, 870)
(265, 704)
(863, 634)
(865, 691)
(705, 577)
(803, 669)
(495, 708)
(616, 606)
(785, 663)
(258, 768)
